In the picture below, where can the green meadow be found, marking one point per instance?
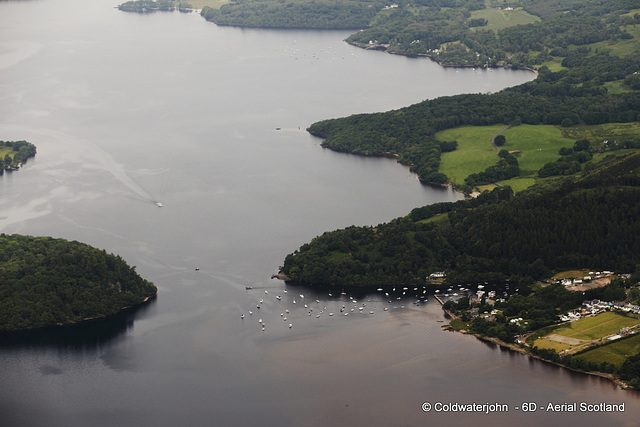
(616, 352)
(537, 145)
(499, 19)
(474, 153)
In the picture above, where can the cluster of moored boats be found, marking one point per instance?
(347, 304)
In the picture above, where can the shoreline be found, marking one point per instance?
(497, 342)
(384, 48)
(81, 321)
(523, 351)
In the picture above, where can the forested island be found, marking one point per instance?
(47, 282)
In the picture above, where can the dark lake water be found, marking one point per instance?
(130, 109)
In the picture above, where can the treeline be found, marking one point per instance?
(585, 223)
(507, 167)
(48, 282)
(295, 14)
(21, 151)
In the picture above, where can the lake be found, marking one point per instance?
(127, 110)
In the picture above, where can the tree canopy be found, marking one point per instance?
(49, 282)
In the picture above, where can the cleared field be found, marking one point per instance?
(538, 144)
(615, 353)
(592, 328)
(6, 150)
(501, 18)
(519, 184)
(474, 154)
(554, 64)
(551, 345)
(436, 218)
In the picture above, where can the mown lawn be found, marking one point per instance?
(591, 328)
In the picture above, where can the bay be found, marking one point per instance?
(127, 110)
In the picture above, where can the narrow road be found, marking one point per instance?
(493, 138)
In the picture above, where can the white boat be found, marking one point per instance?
(159, 204)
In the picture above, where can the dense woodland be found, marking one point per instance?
(590, 222)
(50, 282)
(295, 14)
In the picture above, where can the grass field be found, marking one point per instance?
(6, 150)
(592, 328)
(537, 145)
(550, 345)
(474, 153)
(500, 18)
(519, 184)
(436, 218)
(615, 353)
